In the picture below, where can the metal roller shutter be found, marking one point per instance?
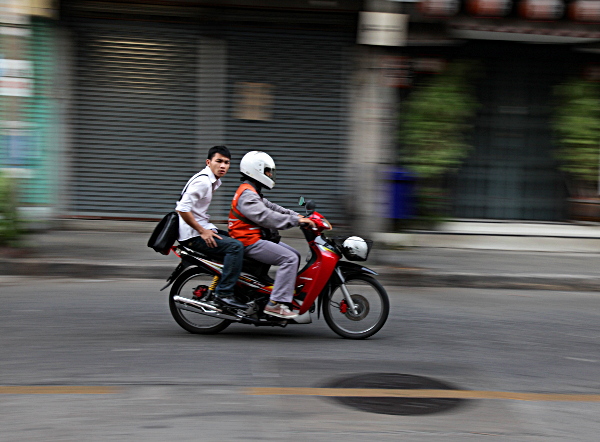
(305, 75)
(135, 121)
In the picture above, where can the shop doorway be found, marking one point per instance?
(511, 173)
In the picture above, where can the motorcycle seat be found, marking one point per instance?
(252, 266)
(257, 268)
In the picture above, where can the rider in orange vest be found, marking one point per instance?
(251, 214)
(240, 227)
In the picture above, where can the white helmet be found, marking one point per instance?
(355, 248)
(254, 165)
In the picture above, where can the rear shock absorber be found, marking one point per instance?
(215, 281)
(203, 291)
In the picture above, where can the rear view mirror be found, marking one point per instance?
(310, 206)
(301, 201)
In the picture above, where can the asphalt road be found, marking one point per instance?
(135, 375)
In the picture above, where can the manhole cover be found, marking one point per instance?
(396, 405)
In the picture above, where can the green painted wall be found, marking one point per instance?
(28, 148)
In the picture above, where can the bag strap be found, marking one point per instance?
(199, 174)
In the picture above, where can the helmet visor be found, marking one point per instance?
(270, 172)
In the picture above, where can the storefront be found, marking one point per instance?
(522, 50)
(28, 151)
(155, 85)
(151, 96)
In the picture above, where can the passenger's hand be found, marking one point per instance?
(209, 237)
(304, 220)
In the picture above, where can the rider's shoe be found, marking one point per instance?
(279, 310)
(230, 301)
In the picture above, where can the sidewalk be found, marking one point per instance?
(511, 256)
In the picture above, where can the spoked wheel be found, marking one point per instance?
(372, 308)
(192, 284)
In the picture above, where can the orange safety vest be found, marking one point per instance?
(240, 227)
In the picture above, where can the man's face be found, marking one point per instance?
(219, 165)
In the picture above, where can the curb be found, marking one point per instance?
(83, 269)
(389, 276)
(490, 281)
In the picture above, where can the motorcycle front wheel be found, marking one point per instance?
(371, 301)
(189, 284)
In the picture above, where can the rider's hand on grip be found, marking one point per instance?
(304, 222)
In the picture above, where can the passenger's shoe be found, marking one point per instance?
(279, 310)
(231, 301)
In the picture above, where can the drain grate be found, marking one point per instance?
(396, 405)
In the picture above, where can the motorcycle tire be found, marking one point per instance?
(184, 286)
(371, 300)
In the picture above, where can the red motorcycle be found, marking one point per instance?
(354, 304)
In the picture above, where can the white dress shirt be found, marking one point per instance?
(196, 199)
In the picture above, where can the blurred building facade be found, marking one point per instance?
(128, 96)
(155, 85)
(523, 49)
(28, 144)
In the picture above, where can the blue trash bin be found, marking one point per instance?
(401, 194)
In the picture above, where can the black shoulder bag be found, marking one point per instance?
(166, 231)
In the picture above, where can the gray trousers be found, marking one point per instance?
(284, 256)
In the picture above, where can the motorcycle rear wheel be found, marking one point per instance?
(373, 308)
(184, 286)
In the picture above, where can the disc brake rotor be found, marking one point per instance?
(362, 308)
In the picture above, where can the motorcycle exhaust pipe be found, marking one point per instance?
(202, 308)
(199, 304)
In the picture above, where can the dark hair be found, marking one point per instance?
(218, 149)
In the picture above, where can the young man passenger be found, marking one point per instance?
(198, 233)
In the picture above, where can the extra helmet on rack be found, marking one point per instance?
(355, 248)
(254, 165)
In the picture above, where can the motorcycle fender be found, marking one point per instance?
(350, 268)
(178, 271)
